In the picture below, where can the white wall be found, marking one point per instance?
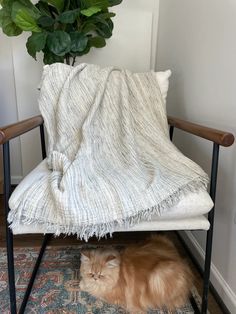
(197, 42)
(133, 46)
(8, 109)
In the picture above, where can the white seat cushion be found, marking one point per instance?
(194, 223)
(187, 214)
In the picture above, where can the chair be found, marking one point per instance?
(218, 138)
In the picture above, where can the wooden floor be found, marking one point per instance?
(118, 238)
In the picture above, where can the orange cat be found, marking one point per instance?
(140, 277)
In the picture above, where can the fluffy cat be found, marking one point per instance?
(141, 277)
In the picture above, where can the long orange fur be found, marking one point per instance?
(141, 277)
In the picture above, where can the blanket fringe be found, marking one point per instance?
(108, 228)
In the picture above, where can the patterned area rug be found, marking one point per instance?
(56, 288)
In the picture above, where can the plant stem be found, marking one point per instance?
(68, 59)
(73, 62)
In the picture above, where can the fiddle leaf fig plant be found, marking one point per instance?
(61, 29)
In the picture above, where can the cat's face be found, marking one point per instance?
(99, 269)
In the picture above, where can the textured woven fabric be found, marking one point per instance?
(188, 213)
(110, 158)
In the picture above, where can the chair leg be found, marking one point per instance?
(9, 235)
(207, 271)
(11, 271)
(207, 268)
(34, 273)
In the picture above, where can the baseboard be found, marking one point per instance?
(223, 289)
(16, 179)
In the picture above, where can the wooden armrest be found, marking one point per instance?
(13, 130)
(219, 137)
(216, 136)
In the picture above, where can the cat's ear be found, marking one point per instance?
(112, 261)
(85, 256)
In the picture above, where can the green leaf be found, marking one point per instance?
(46, 21)
(103, 18)
(106, 16)
(11, 29)
(103, 4)
(58, 4)
(114, 2)
(50, 57)
(43, 8)
(59, 43)
(88, 27)
(68, 5)
(105, 29)
(84, 52)
(97, 42)
(72, 4)
(6, 3)
(24, 17)
(68, 17)
(2, 16)
(28, 4)
(78, 41)
(8, 26)
(36, 42)
(91, 11)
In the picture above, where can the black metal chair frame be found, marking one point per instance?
(9, 235)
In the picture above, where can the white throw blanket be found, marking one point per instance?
(109, 153)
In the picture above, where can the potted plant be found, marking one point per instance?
(61, 29)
